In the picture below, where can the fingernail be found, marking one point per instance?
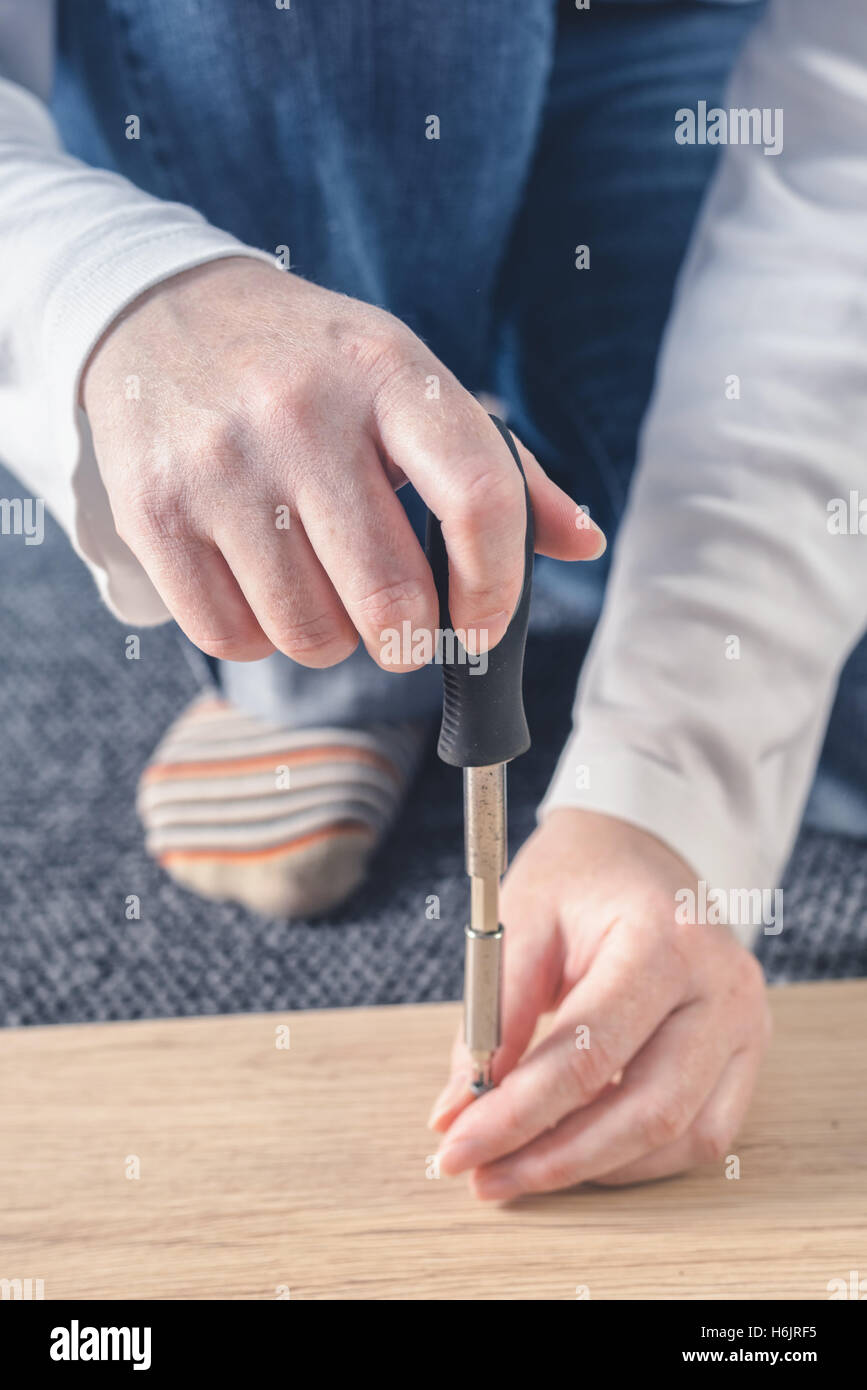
(584, 522)
(494, 1187)
(457, 1157)
(486, 632)
(448, 1097)
(602, 547)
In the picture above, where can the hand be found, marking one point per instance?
(265, 398)
(676, 1018)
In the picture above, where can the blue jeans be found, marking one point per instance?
(307, 128)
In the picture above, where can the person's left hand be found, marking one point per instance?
(658, 1029)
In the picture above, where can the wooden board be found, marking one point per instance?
(267, 1171)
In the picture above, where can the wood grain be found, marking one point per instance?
(267, 1170)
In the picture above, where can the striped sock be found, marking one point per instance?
(282, 820)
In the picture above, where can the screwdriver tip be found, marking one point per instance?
(482, 1079)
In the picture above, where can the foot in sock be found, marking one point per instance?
(281, 820)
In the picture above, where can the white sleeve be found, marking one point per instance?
(735, 595)
(77, 245)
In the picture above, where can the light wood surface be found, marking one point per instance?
(267, 1171)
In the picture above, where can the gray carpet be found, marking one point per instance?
(77, 721)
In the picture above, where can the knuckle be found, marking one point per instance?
(661, 1122)
(213, 443)
(510, 1120)
(387, 605)
(552, 1176)
(321, 640)
(266, 393)
(287, 406)
(710, 1142)
(282, 408)
(486, 489)
(154, 516)
(382, 352)
(591, 1069)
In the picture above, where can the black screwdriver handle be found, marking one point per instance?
(483, 709)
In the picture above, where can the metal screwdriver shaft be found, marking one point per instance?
(483, 728)
(485, 849)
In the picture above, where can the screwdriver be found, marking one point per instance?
(483, 728)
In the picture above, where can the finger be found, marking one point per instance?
(531, 973)
(364, 541)
(711, 1134)
(459, 464)
(285, 586)
(630, 988)
(201, 593)
(563, 530)
(657, 1100)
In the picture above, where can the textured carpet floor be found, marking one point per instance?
(78, 720)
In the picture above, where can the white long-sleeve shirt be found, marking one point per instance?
(732, 602)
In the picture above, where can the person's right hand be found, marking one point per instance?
(259, 392)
